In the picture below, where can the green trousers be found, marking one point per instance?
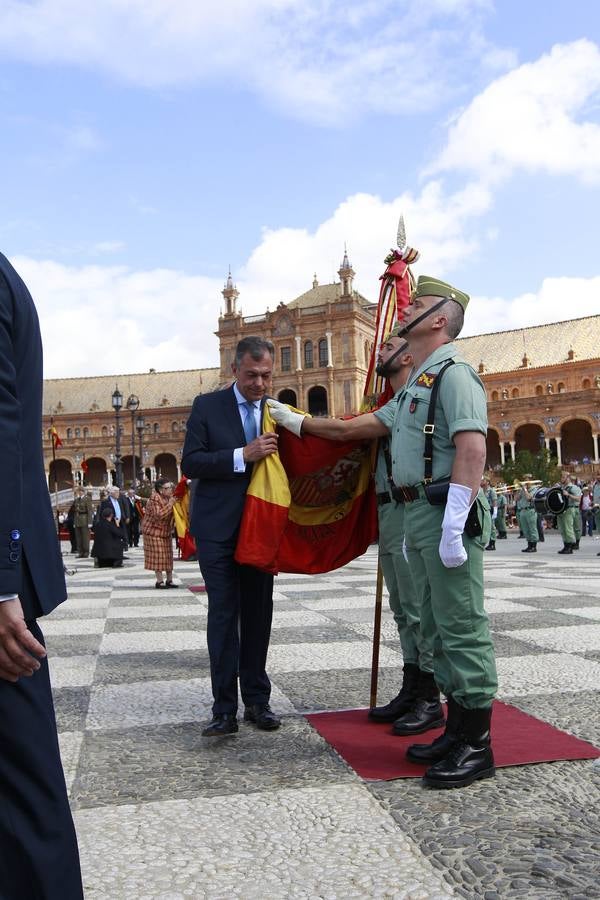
(501, 522)
(452, 610)
(529, 525)
(567, 524)
(402, 594)
(577, 524)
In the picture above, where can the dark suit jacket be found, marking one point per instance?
(30, 560)
(214, 430)
(108, 540)
(108, 504)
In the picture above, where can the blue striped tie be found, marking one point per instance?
(249, 421)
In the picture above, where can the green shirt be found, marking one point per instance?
(574, 493)
(523, 501)
(381, 473)
(461, 406)
(492, 498)
(501, 502)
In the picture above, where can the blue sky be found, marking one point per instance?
(149, 144)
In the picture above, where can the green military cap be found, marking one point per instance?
(433, 287)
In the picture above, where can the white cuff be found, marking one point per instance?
(4, 597)
(239, 464)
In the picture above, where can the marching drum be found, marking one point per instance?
(549, 501)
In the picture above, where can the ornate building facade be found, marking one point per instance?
(542, 384)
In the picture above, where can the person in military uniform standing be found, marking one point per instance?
(438, 424)
(569, 518)
(527, 517)
(492, 499)
(417, 707)
(83, 512)
(501, 517)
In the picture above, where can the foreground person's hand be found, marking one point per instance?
(17, 644)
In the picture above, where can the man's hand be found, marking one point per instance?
(261, 446)
(452, 551)
(17, 643)
(285, 417)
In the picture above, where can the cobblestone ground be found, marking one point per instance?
(164, 813)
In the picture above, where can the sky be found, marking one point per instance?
(149, 145)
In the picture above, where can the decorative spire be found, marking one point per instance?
(346, 273)
(230, 293)
(315, 282)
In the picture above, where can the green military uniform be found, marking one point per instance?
(527, 516)
(501, 517)
(451, 599)
(569, 521)
(402, 596)
(492, 499)
(82, 519)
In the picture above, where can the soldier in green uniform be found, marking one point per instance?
(492, 499)
(527, 517)
(438, 424)
(83, 512)
(501, 517)
(596, 506)
(569, 521)
(417, 706)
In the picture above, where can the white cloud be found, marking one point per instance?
(536, 118)
(311, 58)
(556, 299)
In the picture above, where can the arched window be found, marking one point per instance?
(561, 387)
(182, 425)
(86, 432)
(175, 425)
(586, 383)
(323, 357)
(515, 393)
(539, 390)
(104, 431)
(69, 433)
(78, 432)
(156, 428)
(494, 395)
(308, 355)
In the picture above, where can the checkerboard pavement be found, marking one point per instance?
(164, 813)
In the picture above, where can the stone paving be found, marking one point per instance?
(164, 813)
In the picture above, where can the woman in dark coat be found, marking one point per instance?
(108, 541)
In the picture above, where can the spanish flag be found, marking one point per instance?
(84, 466)
(310, 507)
(56, 441)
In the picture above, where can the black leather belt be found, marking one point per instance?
(383, 498)
(405, 493)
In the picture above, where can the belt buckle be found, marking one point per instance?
(428, 429)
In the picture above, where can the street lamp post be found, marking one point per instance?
(140, 424)
(117, 403)
(132, 405)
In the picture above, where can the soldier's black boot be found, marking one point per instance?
(530, 548)
(471, 756)
(491, 545)
(430, 753)
(575, 546)
(568, 548)
(403, 701)
(426, 712)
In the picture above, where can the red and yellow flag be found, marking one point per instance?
(56, 441)
(310, 507)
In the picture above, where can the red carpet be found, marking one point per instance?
(374, 753)
(197, 589)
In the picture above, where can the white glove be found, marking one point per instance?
(452, 551)
(494, 512)
(404, 553)
(285, 417)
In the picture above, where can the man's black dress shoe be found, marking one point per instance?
(221, 725)
(262, 716)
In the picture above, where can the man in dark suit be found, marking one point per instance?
(223, 440)
(120, 508)
(39, 859)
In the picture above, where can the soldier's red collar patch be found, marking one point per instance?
(426, 379)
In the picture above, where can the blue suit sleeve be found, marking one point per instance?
(10, 451)
(198, 460)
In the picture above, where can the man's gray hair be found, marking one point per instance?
(456, 318)
(257, 347)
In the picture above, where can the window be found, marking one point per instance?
(174, 426)
(539, 390)
(104, 431)
(69, 433)
(323, 355)
(78, 432)
(586, 383)
(345, 347)
(515, 393)
(561, 387)
(86, 432)
(494, 395)
(286, 359)
(156, 428)
(308, 355)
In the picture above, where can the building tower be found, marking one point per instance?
(230, 293)
(346, 273)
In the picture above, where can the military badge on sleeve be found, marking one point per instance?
(426, 379)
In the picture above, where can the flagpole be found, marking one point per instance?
(376, 635)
